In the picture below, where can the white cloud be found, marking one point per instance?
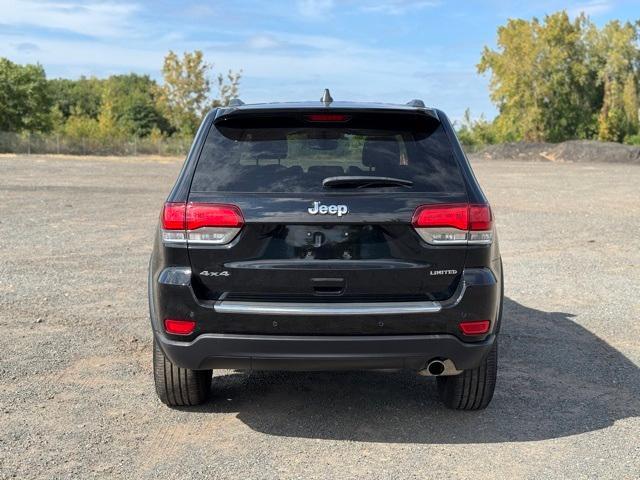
(315, 9)
(277, 65)
(398, 7)
(279, 74)
(320, 9)
(312, 42)
(591, 8)
(97, 19)
(93, 56)
(262, 42)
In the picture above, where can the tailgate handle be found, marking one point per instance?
(328, 286)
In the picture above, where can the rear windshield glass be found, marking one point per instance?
(295, 154)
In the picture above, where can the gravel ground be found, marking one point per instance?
(77, 399)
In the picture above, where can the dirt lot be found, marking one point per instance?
(77, 399)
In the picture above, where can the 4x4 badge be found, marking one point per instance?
(206, 273)
(318, 208)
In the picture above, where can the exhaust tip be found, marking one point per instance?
(435, 367)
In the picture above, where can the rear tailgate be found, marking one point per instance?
(285, 254)
(302, 242)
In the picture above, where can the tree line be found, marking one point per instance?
(551, 80)
(120, 106)
(560, 79)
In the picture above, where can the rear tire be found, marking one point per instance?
(179, 387)
(472, 389)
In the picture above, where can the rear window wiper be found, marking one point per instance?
(364, 182)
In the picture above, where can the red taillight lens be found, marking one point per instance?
(454, 224)
(430, 216)
(200, 223)
(180, 216)
(477, 327)
(173, 216)
(480, 217)
(327, 117)
(179, 327)
(212, 215)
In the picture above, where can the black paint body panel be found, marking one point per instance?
(283, 254)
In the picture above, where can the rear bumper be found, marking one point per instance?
(172, 295)
(323, 336)
(309, 353)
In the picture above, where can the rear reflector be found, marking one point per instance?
(179, 327)
(327, 117)
(451, 224)
(477, 327)
(203, 223)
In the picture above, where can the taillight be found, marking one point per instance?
(476, 327)
(173, 216)
(456, 216)
(213, 215)
(454, 224)
(179, 327)
(480, 217)
(200, 223)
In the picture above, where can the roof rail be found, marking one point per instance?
(416, 102)
(235, 102)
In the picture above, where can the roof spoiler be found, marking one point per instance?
(326, 102)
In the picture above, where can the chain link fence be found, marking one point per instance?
(58, 144)
(38, 143)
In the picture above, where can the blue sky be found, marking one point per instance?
(369, 50)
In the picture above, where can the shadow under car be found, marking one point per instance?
(555, 379)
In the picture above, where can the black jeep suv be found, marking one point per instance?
(326, 236)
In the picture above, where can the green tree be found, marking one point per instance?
(227, 88)
(511, 79)
(631, 104)
(567, 79)
(541, 79)
(77, 97)
(108, 127)
(134, 100)
(80, 127)
(475, 132)
(185, 93)
(25, 103)
(616, 51)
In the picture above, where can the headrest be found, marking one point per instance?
(380, 151)
(268, 145)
